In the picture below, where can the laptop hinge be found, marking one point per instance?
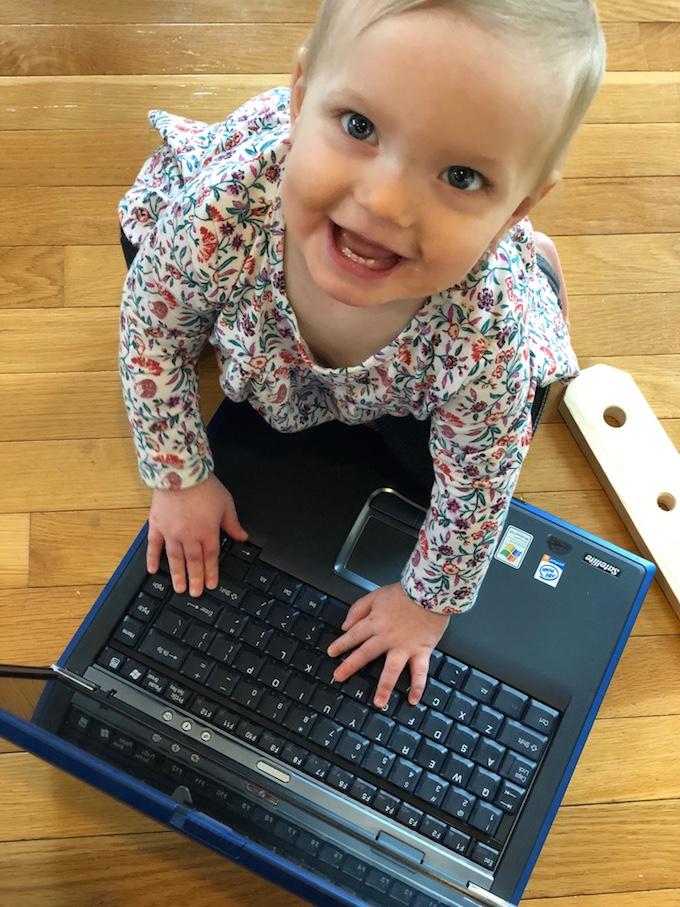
(486, 897)
(73, 679)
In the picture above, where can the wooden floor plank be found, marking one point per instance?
(106, 102)
(113, 157)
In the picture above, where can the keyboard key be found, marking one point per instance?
(202, 608)
(294, 755)
(310, 600)
(326, 733)
(484, 855)
(249, 662)
(540, 717)
(362, 791)
(300, 689)
(461, 708)
(256, 605)
(435, 695)
(177, 694)
(404, 742)
(199, 637)
(168, 652)
(306, 660)
(433, 828)
(411, 715)
(378, 761)
(430, 755)
(485, 817)
(274, 675)
(377, 727)
(204, 708)
(247, 693)
(480, 686)
(510, 701)
(489, 754)
(133, 670)
(248, 731)
(261, 576)
(308, 843)
(229, 591)
(256, 634)
(456, 841)
(273, 707)
(155, 682)
(339, 779)
(436, 726)
(144, 607)
(405, 774)
(232, 622)
(245, 551)
(452, 672)
(306, 629)
(233, 567)
(270, 743)
(316, 766)
(281, 616)
(386, 804)
(197, 667)
(408, 815)
(359, 688)
(352, 746)
(483, 783)
(431, 788)
(129, 631)
(157, 586)
(351, 714)
(171, 623)
(226, 720)
(286, 831)
(518, 769)
(523, 740)
(224, 649)
(326, 701)
(462, 740)
(285, 588)
(459, 803)
(281, 647)
(111, 659)
(509, 797)
(300, 720)
(487, 721)
(334, 612)
(457, 770)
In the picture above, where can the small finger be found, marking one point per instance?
(418, 665)
(394, 665)
(357, 611)
(194, 559)
(211, 551)
(175, 554)
(359, 657)
(358, 634)
(154, 546)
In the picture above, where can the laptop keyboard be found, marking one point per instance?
(249, 658)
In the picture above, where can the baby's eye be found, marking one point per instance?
(357, 125)
(464, 178)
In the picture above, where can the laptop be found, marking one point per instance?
(218, 716)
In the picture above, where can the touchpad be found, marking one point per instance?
(380, 541)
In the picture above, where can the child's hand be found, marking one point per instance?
(387, 620)
(188, 521)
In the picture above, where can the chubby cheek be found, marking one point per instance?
(308, 190)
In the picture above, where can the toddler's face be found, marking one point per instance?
(414, 145)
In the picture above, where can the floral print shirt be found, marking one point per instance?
(206, 215)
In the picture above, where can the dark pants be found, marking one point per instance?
(405, 436)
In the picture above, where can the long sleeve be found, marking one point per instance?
(478, 441)
(171, 299)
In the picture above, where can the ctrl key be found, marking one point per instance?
(485, 856)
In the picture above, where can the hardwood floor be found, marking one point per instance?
(76, 81)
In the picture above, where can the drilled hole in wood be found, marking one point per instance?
(666, 501)
(614, 416)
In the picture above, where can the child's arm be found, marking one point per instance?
(170, 302)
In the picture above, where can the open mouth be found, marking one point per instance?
(360, 255)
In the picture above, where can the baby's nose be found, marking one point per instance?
(389, 195)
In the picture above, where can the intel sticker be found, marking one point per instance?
(550, 570)
(513, 547)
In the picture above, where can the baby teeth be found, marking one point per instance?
(354, 257)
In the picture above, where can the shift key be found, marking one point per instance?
(522, 740)
(164, 650)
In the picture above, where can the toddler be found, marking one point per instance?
(357, 248)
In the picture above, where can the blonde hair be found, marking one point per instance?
(564, 34)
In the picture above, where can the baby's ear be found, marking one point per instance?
(298, 83)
